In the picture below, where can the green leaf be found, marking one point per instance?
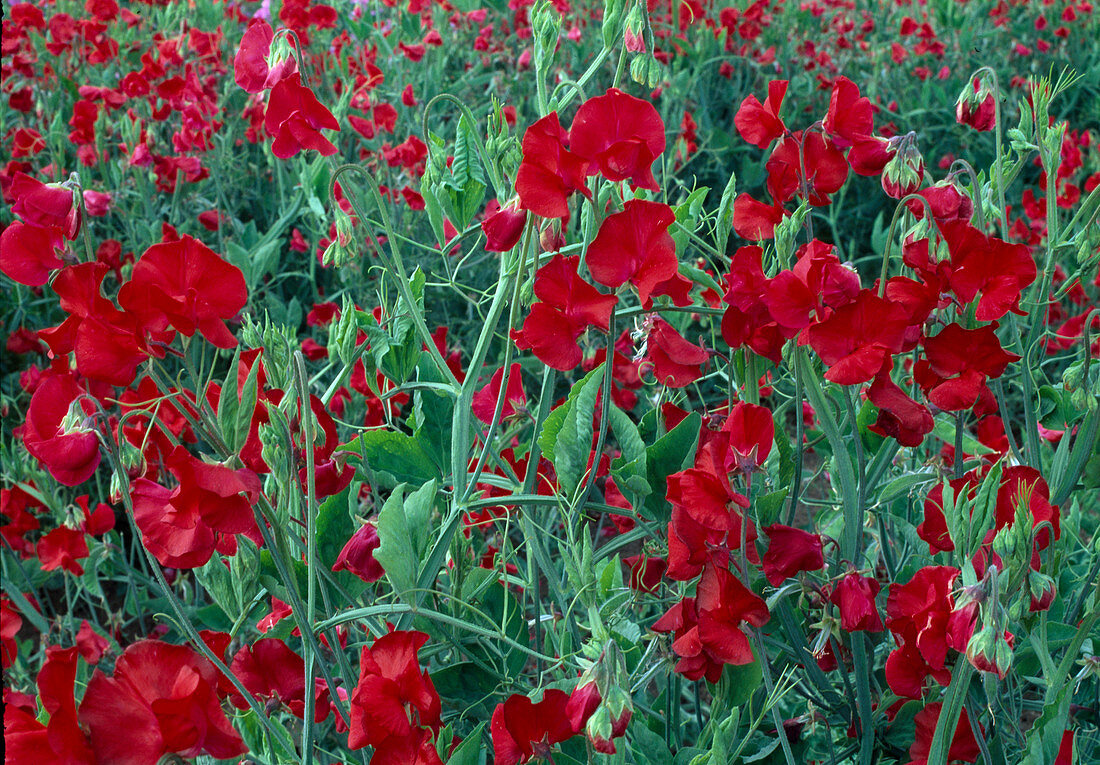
(229, 403)
(566, 438)
(394, 457)
(469, 751)
(334, 527)
(671, 453)
(249, 395)
(738, 683)
(404, 529)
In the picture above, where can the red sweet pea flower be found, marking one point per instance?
(105, 340)
(10, 624)
(569, 306)
(918, 614)
(484, 402)
(850, 118)
(957, 364)
(29, 253)
(270, 670)
(63, 548)
(964, 747)
(90, 644)
(855, 595)
(858, 338)
(179, 527)
(634, 245)
(394, 701)
(751, 434)
(187, 286)
(503, 228)
(252, 67)
(899, 416)
(755, 221)
(549, 172)
(523, 730)
(45, 205)
(984, 265)
(55, 432)
(790, 550)
(357, 556)
(621, 136)
(675, 362)
(817, 281)
(759, 124)
(162, 699)
(61, 739)
(295, 118)
(826, 168)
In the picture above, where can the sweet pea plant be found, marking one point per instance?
(385, 383)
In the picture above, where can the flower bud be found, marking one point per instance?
(612, 15)
(905, 170)
(976, 106)
(989, 651)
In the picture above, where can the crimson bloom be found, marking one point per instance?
(991, 269)
(759, 124)
(394, 705)
(503, 228)
(964, 747)
(918, 614)
(753, 220)
(957, 364)
(850, 118)
(858, 338)
(55, 432)
(295, 118)
(29, 253)
(357, 556)
(790, 550)
(634, 245)
(854, 596)
(825, 166)
(187, 286)
(569, 306)
(549, 172)
(751, 432)
(270, 670)
(675, 362)
(621, 136)
(484, 402)
(27, 740)
(162, 699)
(63, 548)
(899, 416)
(252, 66)
(523, 730)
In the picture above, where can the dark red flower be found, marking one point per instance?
(295, 118)
(985, 266)
(854, 596)
(964, 747)
(91, 644)
(29, 253)
(63, 548)
(753, 220)
(484, 402)
(634, 245)
(850, 118)
(620, 136)
(60, 740)
(252, 66)
(569, 306)
(858, 338)
(394, 700)
(357, 556)
(751, 432)
(899, 416)
(503, 228)
(825, 165)
(522, 729)
(918, 613)
(270, 670)
(57, 430)
(675, 362)
(759, 124)
(549, 172)
(790, 550)
(187, 286)
(162, 699)
(957, 364)
(45, 204)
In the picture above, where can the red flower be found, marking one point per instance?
(549, 172)
(295, 117)
(55, 432)
(45, 204)
(976, 106)
(855, 595)
(90, 644)
(503, 228)
(187, 286)
(675, 362)
(751, 435)
(957, 364)
(60, 739)
(918, 614)
(63, 548)
(621, 136)
(522, 729)
(179, 527)
(269, 669)
(28, 253)
(357, 556)
(964, 747)
(850, 118)
(984, 265)
(10, 624)
(162, 699)
(484, 402)
(759, 124)
(753, 220)
(826, 168)
(899, 416)
(251, 65)
(634, 245)
(394, 701)
(569, 306)
(858, 338)
(790, 550)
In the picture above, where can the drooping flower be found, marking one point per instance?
(675, 362)
(759, 124)
(253, 68)
(357, 556)
(55, 432)
(295, 118)
(854, 595)
(790, 550)
(549, 172)
(60, 739)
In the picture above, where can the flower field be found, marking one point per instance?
(412, 382)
